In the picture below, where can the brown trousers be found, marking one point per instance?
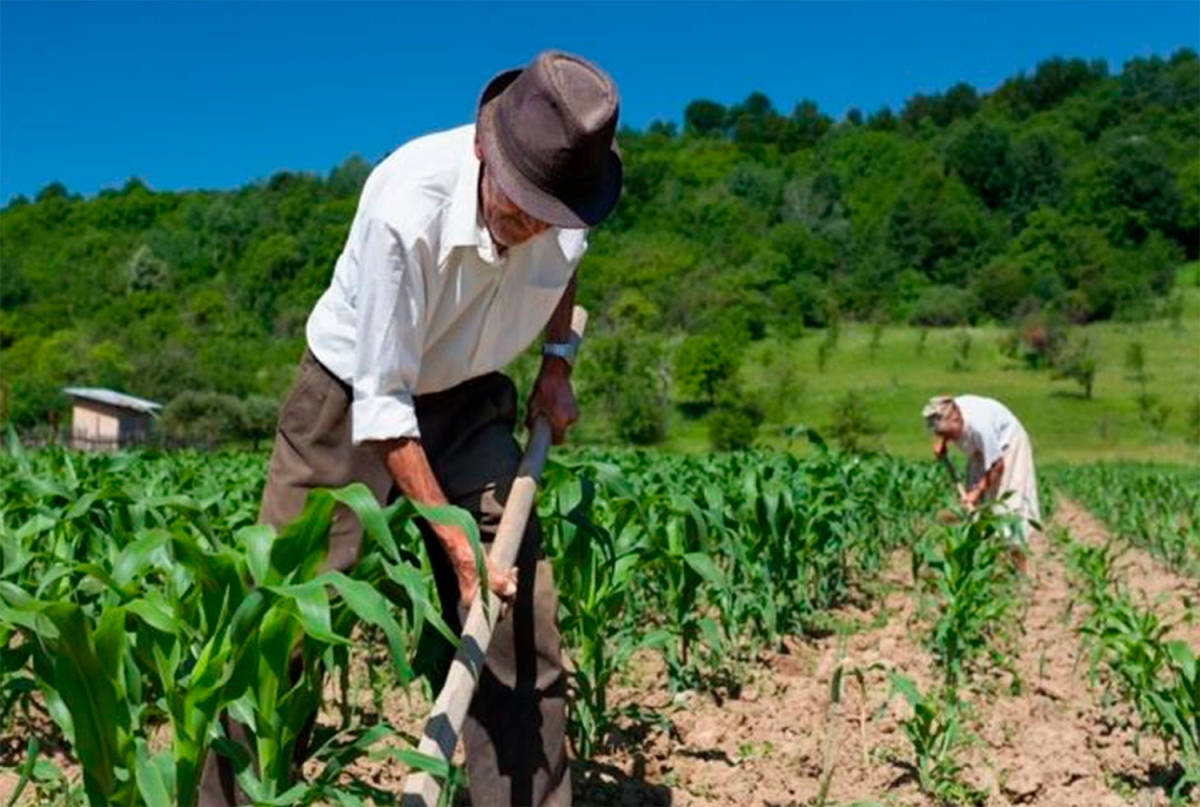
(515, 732)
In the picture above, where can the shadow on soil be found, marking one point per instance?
(1157, 777)
(595, 783)
(602, 784)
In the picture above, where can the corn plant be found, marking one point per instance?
(1129, 641)
(972, 586)
(154, 568)
(935, 732)
(596, 567)
(1175, 705)
(128, 612)
(1130, 651)
(1153, 507)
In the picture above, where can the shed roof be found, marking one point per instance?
(111, 398)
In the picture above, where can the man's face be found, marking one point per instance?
(508, 224)
(951, 426)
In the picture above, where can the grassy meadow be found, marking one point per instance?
(898, 375)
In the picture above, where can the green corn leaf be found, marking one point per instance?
(109, 639)
(413, 582)
(705, 567)
(312, 604)
(1184, 657)
(88, 694)
(438, 768)
(257, 540)
(451, 516)
(711, 633)
(358, 497)
(31, 752)
(906, 688)
(136, 556)
(150, 781)
(301, 546)
(152, 610)
(370, 606)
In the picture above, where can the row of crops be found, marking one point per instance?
(1133, 661)
(139, 601)
(1154, 507)
(1144, 677)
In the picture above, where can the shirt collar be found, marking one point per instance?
(462, 219)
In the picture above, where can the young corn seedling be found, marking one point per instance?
(596, 568)
(1175, 706)
(935, 732)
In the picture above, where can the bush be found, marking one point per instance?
(1077, 363)
(1192, 435)
(852, 427)
(944, 307)
(732, 426)
(261, 413)
(207, 418)
(1038, 340)
(625, 371)
(639, 416)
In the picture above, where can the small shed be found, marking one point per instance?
(104, 420)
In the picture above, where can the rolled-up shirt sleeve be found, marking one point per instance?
(388, 339)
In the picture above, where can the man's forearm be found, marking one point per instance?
(558, 329)
(408, 464)
(551, 395)
(989, 479)
(406, 460)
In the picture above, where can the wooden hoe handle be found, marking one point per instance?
(949, 466)
(440, 736)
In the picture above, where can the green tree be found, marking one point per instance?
(703, 118)
(1037, 176)
(704, 365)
(852, 426)
(1078, 363)
(145, 271)
(982, 156)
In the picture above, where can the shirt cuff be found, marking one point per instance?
(383, 417)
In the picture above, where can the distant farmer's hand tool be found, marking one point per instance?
(440, 736)
(949, 466)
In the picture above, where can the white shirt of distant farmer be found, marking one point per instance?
(421, 298)
(991, 432)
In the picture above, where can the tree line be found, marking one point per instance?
(1067, 193)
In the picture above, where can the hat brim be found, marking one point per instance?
(587, 209)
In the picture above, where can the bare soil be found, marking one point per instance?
(1039, 732)
(1039, 737)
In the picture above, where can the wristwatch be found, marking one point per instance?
(563, 350)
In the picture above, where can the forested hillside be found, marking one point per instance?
(1067, 192)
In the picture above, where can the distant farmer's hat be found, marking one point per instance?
(547, 134)
(936, 410)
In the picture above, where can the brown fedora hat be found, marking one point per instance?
(547, 135)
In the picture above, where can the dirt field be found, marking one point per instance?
(1049, 745)
(1039, 737)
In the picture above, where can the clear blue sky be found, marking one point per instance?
(215, 95)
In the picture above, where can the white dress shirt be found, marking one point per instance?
(421, 298)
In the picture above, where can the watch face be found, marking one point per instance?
(562, 351)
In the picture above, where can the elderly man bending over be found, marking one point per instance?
(999, 454)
